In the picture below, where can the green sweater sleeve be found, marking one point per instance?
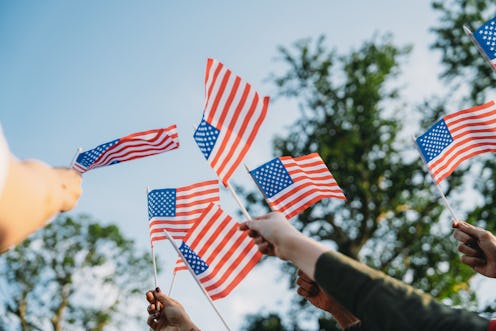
(386, 304)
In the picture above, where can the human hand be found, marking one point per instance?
(478, 247)
(308, 289)
(69, 187)
(271, 233)
(167, 314)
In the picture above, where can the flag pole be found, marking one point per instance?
(152, 246)
(75, 156)
(479, 48)
(172, 283)
(196, 278)
(238, 201)
(441, 193)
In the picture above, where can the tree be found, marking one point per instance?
(265, 322)
(352, 114)
(463, 66)
(465, 70)
(73, 274)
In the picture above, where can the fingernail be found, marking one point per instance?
(157, 289)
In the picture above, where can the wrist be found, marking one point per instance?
(287, 248)
(304, 252)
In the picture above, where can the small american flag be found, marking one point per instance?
(133, 146)
(457, 137)
(291, 185)
(177, 209)
(219, 254)
(486, 38)
(232, 116)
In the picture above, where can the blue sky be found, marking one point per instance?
(81, 73)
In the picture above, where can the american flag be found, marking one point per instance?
(177, 209)
(457, 137)
(219, 254)
(232, 116)
(291, 185)
(486, 38)
(133, 146)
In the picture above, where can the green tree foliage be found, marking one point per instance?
(353, 115)
(463, 66)
(74, 274)
(265, 322)
(466, 70)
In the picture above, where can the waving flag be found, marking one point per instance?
(219, 254)
(177, 209)
(133, 146)
(457, 137)
(291, 185)
(485, 39)
(232, 116)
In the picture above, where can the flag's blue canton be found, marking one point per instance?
(162, 203)
(87, 158)
(194, 261)
(486, 37)
(205, 136)
(272, 177)
(434, 140)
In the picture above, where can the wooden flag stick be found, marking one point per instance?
(441, 193)
(172, 283)
(238, 201)
(152, 246)
(479, 48)
(75, 156)
(343, 317)
(196, 278)
(154, 266)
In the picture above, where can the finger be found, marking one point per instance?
(253, 234)
(259, 240)
(243, 226)
(151, 309)
(150, 297)
(266, 248)
(253, 225)
(462, 236)
(304, 283)
(471, 230)
(310, 292)
(304, 276)
(302, 292)
(473, 261)
(469, 250)
(151, 321)
(263, 217)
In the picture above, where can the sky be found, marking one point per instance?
(80, 73)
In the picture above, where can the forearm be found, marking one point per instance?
(29, 199)
(383, 303)
(302, 251)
